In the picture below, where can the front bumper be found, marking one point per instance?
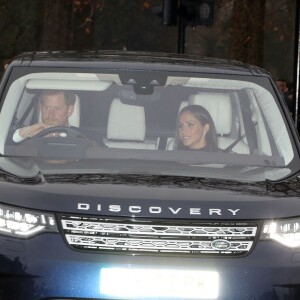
(45, 267)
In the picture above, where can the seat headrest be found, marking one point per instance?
(219, 107)
(126, 122)
(182, 105)
(74, 119)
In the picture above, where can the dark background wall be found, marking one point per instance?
(260, 32)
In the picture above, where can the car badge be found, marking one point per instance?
(221, 245)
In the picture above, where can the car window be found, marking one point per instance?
(148, 118)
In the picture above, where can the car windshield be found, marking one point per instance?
(148, 122)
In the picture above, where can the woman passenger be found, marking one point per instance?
(196, 130)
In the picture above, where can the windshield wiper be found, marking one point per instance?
(13, 178)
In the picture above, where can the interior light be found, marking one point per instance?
(286, 232)
(25, 223)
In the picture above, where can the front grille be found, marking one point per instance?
(128, 235)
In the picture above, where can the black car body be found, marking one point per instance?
(111, 209)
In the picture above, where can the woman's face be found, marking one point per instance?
(191, 132)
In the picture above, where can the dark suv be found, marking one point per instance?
(146, 176)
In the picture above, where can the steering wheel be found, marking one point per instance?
(73, 145)
(71, 132)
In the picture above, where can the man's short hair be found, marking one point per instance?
(69, 96)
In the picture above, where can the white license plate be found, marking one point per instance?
(159, 283)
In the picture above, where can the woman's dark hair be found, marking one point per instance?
(204, 117)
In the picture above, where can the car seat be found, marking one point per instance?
(127, 127)
(220, 108)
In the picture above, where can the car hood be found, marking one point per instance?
(151, 196)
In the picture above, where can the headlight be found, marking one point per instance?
(286, 232)
(18, 222)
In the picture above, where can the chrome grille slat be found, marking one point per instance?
(101, 227)
(150, 244)
(206, 238)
